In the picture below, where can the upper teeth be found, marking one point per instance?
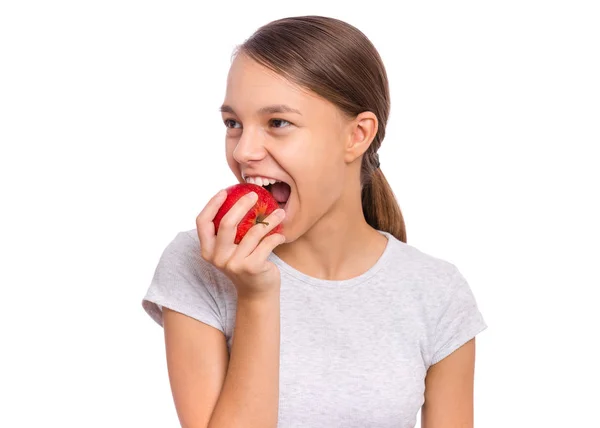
(261, 181)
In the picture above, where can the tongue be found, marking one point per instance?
(281, 192)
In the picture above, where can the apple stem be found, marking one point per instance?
(262, 222)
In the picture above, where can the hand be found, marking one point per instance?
(245, 264)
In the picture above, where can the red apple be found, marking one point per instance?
(264, 206)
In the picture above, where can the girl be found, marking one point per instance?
(336, 322)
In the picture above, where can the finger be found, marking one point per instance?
(257, 232)
(204, 222)
(229, 222)
(266, 247)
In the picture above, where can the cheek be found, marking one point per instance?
(229, 148)
(233, 165)
(318, 174)
(318, 192)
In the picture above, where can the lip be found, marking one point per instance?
(285, 207)
(244, 177)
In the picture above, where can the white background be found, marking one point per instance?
(111, 143)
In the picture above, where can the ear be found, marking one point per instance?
(362, 130)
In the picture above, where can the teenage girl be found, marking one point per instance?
(336, 322)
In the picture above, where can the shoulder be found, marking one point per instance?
(182, 255)
(434, 286)
(432, 274)
(183, 281)
(182, 258)
(440, 296)
(188, 245)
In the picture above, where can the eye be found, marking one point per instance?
(230, 123)
(279, 123)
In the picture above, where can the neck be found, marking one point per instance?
(341, 245)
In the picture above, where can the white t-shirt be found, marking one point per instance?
(354, 353)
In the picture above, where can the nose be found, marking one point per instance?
(250, 147)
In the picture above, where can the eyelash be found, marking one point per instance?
(228, 121)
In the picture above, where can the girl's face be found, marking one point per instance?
(278, 130)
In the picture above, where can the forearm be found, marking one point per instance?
(250, 393)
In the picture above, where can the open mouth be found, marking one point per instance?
(281, 191)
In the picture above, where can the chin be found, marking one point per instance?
(289, 234)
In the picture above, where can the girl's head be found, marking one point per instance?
(307, 103)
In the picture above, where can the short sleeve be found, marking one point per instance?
(182, 282)
(460, 320)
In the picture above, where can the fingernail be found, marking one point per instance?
(280, 212)
(253, 196)
(221, 194)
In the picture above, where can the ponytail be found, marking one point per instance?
(380, 207)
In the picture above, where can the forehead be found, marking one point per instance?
(251, 86)
(247, 74)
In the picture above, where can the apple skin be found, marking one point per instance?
(263, 207)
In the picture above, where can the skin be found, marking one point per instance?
(449, 388)
(318, 152)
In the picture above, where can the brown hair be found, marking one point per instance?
(338, 62)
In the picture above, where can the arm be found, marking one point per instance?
(449, 390)
(197, 361)
(211, 389)
(250, 395)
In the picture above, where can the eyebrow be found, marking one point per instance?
(275, 108)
